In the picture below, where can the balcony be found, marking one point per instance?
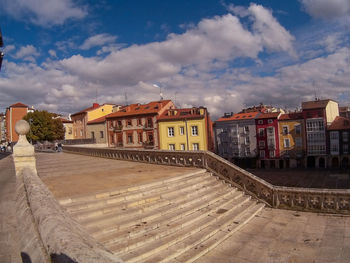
(116, 128)
(148, 127)
(148, 145)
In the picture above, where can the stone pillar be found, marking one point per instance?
(23, 151)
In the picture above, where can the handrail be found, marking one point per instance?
(303, 199)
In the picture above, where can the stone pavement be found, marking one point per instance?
(281, 236)
(9, 252)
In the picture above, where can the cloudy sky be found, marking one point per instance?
(220, 54)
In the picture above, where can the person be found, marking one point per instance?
(56, 146)
(59, 147)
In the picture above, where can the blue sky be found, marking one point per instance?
(221, 54)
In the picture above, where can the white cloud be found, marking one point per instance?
(52, 53)
(9, 48)
(43, 12)
(327, 8)
(98, 40)
(27, 53)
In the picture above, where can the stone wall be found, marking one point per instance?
(303, 199)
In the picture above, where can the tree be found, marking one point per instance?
(43, 126)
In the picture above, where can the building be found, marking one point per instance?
(235, 138)
(291, 140)
(344, 111)
(317, 115)
(339, 135)
(97, 129)
(268, 143)
(2, 128)
(68, 128)
(135, 125)
(186, 130)
(81, 118)
(13, 114)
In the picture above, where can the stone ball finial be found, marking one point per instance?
(22, 127)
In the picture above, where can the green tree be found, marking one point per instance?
(43, 127)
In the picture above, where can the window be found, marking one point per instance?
(150, 137)
(149, 123)
(102, 110)
(182, 146)
(286, 143)
(130, 140)
(93, 135)
(171, 132)
(70, 130)
(272, 154)
(246, 129)
(261, 144)
(298, 142)
(261, 132)
(269, 121)
(182, 130)
(260, 122)
(345, 136)
(194, 130)
(262, 154)
(140, 137)
(139, 122)
(334, 147)
(345, 148)
(195, 146)
(129, 122)
(247, 140)
(101, 134)
(172, 147)
(119, 123)
(285, 130)
(334, 135)
(247, 151)
(297, 129)
(81, 132)
(270, 130)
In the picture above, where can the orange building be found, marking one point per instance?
(14, 113)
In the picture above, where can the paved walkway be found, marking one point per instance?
(9, 252)
(68, 175)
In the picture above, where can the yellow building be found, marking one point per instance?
(81, 118)
(185, 130)
(291, 139)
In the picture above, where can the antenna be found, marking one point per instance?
(313, 84)
(96, 95)
(126, 98)
(160, 91)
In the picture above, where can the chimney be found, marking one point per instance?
(95, 105)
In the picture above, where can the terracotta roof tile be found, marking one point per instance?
(19, 105)
(269, 115)
(99, 120)
(180, 114)
(139, 109)
(316, 104)
(291, 116)
(94, 106)
(240, 116)
(340, 123)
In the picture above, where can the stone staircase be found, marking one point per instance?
(177, 219)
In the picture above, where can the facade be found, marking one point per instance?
(268, 143)
(291, 140)
(14, 113)
(135, 125)
(317, 115)
(2, 128)
(185, 129)
(81, 118)
(235, 138)
(97, 129)
(344, 111)
(68, 128)
(338, 134)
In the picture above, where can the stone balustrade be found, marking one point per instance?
(303, 199)
(47, 233)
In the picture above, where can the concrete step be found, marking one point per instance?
(176, 225)
(181, 210)
(201, 230)
(82, 202)
(133, 216)
(105, 206)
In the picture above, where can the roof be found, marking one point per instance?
(340, 123)
(94, 106)
(344, 109)
(63, 120)
(98, 121)
(316, 104)
(19, 105)
(269, 115)
(291, 116)
(240, 116)
(180, 114)
(138, 109)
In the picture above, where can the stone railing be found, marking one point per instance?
(47, 233)
(303, 199)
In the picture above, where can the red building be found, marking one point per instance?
(268, 139)
(135, 125)
(14, 113)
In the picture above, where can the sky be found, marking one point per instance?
(63, 55)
